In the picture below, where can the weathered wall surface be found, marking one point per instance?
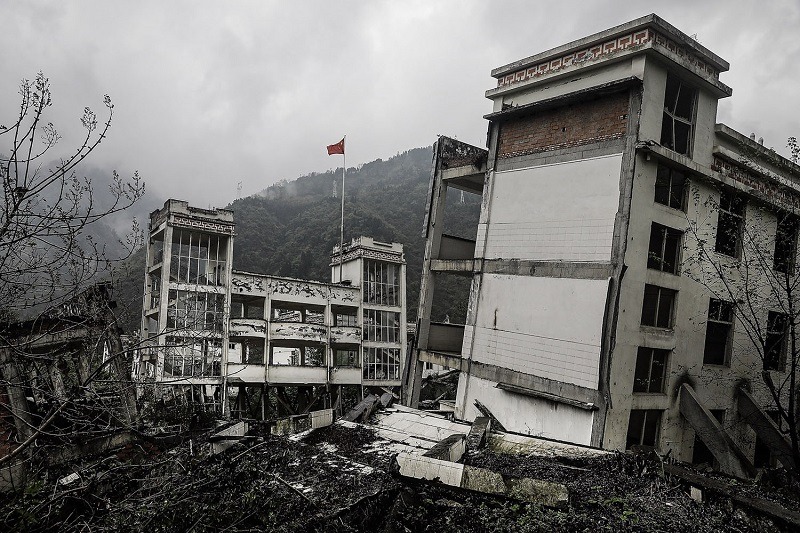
(549, 327)
(525, 414)
(568, 126)
(564, 211)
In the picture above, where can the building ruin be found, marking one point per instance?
(230, 339)
(584, 322)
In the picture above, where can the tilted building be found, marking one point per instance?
(230, 338)
(606, 172)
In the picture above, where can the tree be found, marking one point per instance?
(52, 254)
(742, 249)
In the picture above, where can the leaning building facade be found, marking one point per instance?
(605, 173)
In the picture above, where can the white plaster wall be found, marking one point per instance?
(550, 327)
(525, 414)
(563, 211)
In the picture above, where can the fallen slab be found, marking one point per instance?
(450, 449)
(482, 480)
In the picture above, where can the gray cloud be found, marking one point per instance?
(208, 94)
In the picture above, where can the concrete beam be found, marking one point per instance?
(476, 439)
(765, 428)
(546, 396)
(731, 459)
(450, 449)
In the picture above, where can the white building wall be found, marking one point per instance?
(563, 211)
(525, 414)
(550, 327)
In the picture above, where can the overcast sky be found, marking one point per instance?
(209, 94)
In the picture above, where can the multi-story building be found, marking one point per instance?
(588, 321)
(232, 338)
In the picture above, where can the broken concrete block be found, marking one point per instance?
(483, 480)
(321, 418)
(291, 425)
(696, 494)
(538, 491)
(478, 432)
(227, 436)
(450, 449)
(420, 467)
(362, 410)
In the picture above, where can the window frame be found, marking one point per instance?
(785, 252)
(776, 362)
(717, 320)
(671, 115)
(651, 354)
(658, 307)
(646, 415)
(666, 177)
(729, 203)
(658, 260)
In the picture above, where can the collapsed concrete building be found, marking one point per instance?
(584, 323)
(229, 339)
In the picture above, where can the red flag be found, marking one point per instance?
(337, 148)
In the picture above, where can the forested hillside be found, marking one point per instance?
(290, 228)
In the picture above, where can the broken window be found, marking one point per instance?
(678, 118)
(345, 357)
(197, 258)
(382, 364)
(381, 283)
(657, 307)
(651, 364)
(643, 427)
(671, 187)
(729, 223)
(785, 243)
(381, 326)
(190, 357)
(346, 317)
(775, 342)
(200, 311)
(253, 351)
(718, 332)
(664, 251)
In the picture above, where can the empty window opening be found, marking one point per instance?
(775, 341)
(718, 332)
(382, 364)
(345, 316)
(671, 187)
(345, 357)
(658, 306)
(247, 307)
(678, 119)
(381, 326)
(664, 251)
(729, 223)
(651, 366)
(643, 427)
(785, 243)
(381, 283)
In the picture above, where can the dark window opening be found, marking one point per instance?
(671, 187)
(785, 243)
(657, 307)
(729, 224)
(651, 366)
(643, 427)
(775, 342)
(345, 357)
(718, 332)
(678, 119)
(664, 251)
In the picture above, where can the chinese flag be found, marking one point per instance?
(337, 148)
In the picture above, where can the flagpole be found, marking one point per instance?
(341, 228)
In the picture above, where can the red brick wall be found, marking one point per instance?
(572, 125)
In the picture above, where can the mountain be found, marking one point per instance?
(290, 228)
